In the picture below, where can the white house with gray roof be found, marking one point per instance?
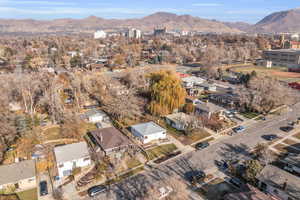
(71, 156)
(148, 132)
(21, 175)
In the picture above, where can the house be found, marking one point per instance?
(178, 121)
(110, 140)
(148, 132)
(249, 193)
(21, 175)
(94, 116)
(192, 81)
(279, 183)
(193, 100)
(71, 156)
(208, 109)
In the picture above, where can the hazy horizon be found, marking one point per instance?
(250, 11)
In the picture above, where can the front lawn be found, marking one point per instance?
(187, 139)
(250, 115)
(28, 194)
(161, 151)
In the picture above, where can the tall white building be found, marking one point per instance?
(133, 33)
(100, 34)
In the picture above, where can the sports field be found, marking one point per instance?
(280, 73)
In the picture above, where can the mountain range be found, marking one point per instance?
(285, 21)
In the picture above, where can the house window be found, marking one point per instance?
(61, 165)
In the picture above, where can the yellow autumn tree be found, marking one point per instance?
(166, 92)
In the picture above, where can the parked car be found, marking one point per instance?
(291, 123)
(286, 128)
(201, 145)
(96, 190)
(195, 177)
(236, 182)
(43, 188)
(270, 137)
(239, 129)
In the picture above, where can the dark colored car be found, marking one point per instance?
(96, 190)
(43, 188)
(195, 176)
(236, 182)
(286, 128)
(269, 137)
(201, 145)
(239, 129)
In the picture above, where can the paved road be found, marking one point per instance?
(232, 146)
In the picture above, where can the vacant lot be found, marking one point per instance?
(280, 73)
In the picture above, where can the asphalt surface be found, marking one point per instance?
(237, 146)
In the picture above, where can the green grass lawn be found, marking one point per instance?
(131, 163)
(28, 194)
(161, 150)
(249, 115)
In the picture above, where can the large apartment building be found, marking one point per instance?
(283, 57)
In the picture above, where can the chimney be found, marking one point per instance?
(284, 185)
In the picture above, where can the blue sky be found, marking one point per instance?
(224, 10)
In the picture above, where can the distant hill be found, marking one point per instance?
(284, 21)
(242, 26)
(93, 23)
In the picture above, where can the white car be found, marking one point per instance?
(164, 192)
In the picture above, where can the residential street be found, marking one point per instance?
(231, 146)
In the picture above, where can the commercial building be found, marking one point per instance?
(283, 57)
(100, 34)
(133, 33)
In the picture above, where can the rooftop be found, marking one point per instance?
(277, 177)
(193, 79)
(17, 171)
(148, 128)
(109, 138)
(94, 112)
(285, 50)
(251, 193)
(70, 152)
(179, 117)
(209, 107)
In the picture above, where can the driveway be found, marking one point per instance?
(44, 177)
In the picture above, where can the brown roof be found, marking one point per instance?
(250, 193)
(109, 138)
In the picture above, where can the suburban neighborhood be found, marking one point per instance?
(150, 108)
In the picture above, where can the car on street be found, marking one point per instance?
(291, 123)
(201, 145)
(270, 137)
(96, 190)
(195, 177)
(238, 129)
(236, 182)
(286, 128)
(43, 188)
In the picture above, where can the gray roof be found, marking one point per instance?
(276, 177)
(94, 112)
(10, 174)
(179, 117)
(148, 128)
(70, 152)
(209, 107)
